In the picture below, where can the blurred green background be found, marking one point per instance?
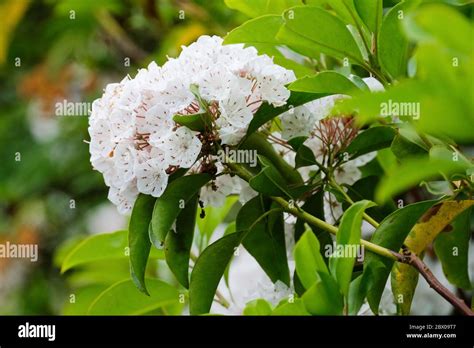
(51, 51)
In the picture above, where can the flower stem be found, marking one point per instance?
(366, 216)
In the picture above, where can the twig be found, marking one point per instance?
(413, 260)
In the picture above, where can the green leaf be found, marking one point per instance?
(255, 8)
(348, 236)
(442, 23)
(98, 247)
(122, 298)
(411, 172)
(258, 307)
(196, 122)
(138, 239)
(452, 249)
(370, 11)
(392, 43)
(291, 308)
(315, 28)
(265, 237)
(372, 139)
(208, 271)
(323, 297)
(324, 83)
(314, 205)
(403, 148)
(83, 298)
(304, 157)
(308, 259)
(269, 182)
(258, 142)
(261, 30)
(168, 206)
(178, 243)
(441, 152)
(357, 291)
(267, 112)
(261, 33)
(214, 216)
(390, 234)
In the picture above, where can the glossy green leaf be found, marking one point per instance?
(372, 139)
(324, 83)
(83, 298)
(390, 234)
(171, 202)
(392, 43)
(357, 291)
(371, 12)
(255, 8)
(258, 142)
(178, 243)
(316, 27)
(122, 298)
(269, 182)
(208, 271)
(304, 157)
(403, 148)
(261, 33)
(315, 206)
(98, 247)
(265, 237)
(308, 259)
(261, 30)
(323, 297)
(348, 237)
(138, 240)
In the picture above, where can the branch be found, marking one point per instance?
(413, 260)
(407, 256)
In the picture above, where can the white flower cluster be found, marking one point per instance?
(136, 144)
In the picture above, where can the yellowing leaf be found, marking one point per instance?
(433, 222)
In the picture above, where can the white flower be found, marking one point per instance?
(151, 177)
(123, 198)
(134, 139)
(181, 148)
(297, 122)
